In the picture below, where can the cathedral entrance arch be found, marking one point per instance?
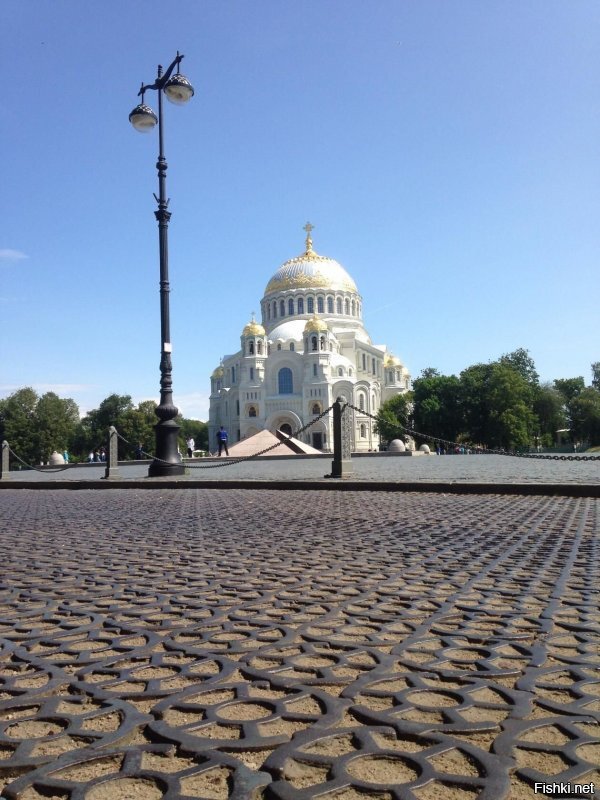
(287, 421)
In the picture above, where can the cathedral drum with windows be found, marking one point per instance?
(310, 349)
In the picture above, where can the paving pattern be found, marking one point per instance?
(373, 467)
(292, 645)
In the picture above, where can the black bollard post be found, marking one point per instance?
(341, 466)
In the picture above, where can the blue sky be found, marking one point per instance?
(447, 152)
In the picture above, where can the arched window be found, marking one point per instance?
(292, 346)
(259, 348)
(353, 308)
(313, 343)
(346, 306)
(310, 305)
(291, 307)
(361, 401)
(251, 373)
(301, 305)
(237, 407)
(233, 374)
(274, 309)
(322, 343)
(373, 366)
(340, 372)
(338, 305)
(268, 311)
(363, 431)
(286, 381)
(251, 411)
(279, 345)
(320, 305)
(251, 348)
(350, 372)
(286, 428)
(316, 409)
(314, 370)
(330, 305)
(282, 308)
(364, 362)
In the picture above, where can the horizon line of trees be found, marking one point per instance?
(501, 404)
(36, 426)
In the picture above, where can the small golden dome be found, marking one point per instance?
(218, 373)
(253, 328)
(315, 325)
(392, 361)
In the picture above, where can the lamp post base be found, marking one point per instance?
(167, 462)
(158, 469)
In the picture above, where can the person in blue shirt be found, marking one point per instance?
(222, 440)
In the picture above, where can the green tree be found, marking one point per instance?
(521, 362)
(497, 401)
(18, 424)
(196, 429)
(437, 406)
(429, 372)
(92, 433)
(393, 416)
(596, 375)
(56, 420)
(549, 407)
(136, 425)
(585, 416)
(569, 387)
(36, 426)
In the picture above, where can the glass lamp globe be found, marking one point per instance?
(178, 90)
(143, 118)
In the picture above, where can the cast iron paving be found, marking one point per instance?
(245, 644)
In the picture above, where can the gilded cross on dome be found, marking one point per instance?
(308, 228)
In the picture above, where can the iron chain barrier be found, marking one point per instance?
(48, 469)
(228, 462)
(404, 429)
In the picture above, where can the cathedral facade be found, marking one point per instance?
(310, 349)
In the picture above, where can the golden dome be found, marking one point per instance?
(315, 325)
(392, 361)
(218, 373)
(253, 328)
(311, 271)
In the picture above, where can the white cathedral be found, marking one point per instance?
(310, 350)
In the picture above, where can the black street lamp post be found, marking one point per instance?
(178, 90)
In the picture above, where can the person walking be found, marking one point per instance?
(191, 446)
(222, 440)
